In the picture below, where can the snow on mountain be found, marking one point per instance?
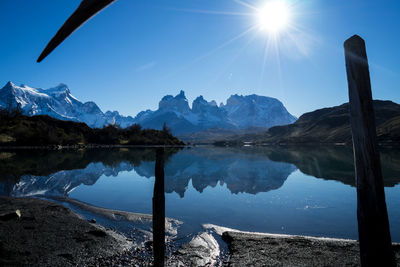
(178, 104)
(113, 117)
(256, 111)
(174, 111)
(57, 102)
(239, 112)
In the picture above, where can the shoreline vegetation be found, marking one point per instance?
(62, 237)
(18, 130)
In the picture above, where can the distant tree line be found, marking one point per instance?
(17, 129)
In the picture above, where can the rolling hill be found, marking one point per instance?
(328, 126)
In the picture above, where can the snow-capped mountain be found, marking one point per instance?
(256, 111)
(239, 112)
(59, 103)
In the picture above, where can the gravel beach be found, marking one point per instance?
(250, 249)
(35, 232)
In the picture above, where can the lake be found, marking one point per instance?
(289, 190)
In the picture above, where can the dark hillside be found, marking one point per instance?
(20, 130)
(331, 125)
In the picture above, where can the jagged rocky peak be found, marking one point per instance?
(91, 107)
(234, 98)
(181, 95)
(10, 83)
(250, 100)
(12, 96)
(144, 113)
(61, 91)
(179, 103)
(90, 104)
(200, 104)
(112, 113)
(257, 111)
(62, 87)
(9, 86)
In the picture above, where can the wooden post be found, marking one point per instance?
(373, 223)
(159, 211)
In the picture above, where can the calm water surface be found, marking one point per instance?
(306, 191)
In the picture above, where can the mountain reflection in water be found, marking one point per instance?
(243, 170)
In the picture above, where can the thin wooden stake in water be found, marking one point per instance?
(373, 224)
(159, 211)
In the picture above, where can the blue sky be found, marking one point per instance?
(136, 51)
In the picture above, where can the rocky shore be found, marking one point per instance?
(36, 232)
(248, 249)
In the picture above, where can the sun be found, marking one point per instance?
(274, 16)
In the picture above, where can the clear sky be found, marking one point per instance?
(136, 51)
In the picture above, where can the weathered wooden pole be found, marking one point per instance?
(373, 223)
(159, 211)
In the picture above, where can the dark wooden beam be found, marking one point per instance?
(86, 10)
(373, 223)
(159, 211)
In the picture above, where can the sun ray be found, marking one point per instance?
(240, 2)
(274, 20)
(265, 55)
(279, 68)
(233, 59)
(212, 12)
(240, 35)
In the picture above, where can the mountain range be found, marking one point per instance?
(239, 112)
(59, 103)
